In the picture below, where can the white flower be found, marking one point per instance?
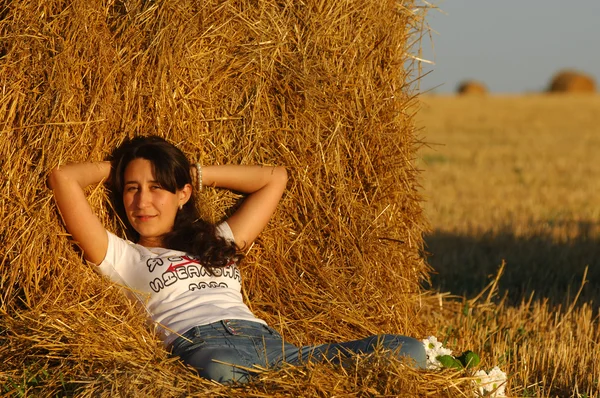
(434, 349)
(491, 384)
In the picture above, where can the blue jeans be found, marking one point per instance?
(229, 350)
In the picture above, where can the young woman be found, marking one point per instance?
(183, 269)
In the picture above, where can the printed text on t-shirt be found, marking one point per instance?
(186, 267)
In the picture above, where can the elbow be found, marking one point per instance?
(282, 175)
(55, 177)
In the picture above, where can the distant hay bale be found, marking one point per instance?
(472, 87)
(570, 81)
(317, 87)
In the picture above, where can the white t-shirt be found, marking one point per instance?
(176, 290)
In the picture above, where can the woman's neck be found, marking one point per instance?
(150, 242)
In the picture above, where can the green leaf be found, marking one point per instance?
(465, 309)
(448, 361)
(469, 359)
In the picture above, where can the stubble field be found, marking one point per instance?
(515, 180)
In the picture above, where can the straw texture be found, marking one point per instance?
(319, 87)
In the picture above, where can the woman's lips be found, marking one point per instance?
(144, 218)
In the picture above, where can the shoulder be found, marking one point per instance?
(119, 253)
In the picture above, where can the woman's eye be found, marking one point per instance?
(131, 189)
(155, 187)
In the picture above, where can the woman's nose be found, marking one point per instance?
(143, 198)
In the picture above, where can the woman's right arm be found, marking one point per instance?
(67, 182)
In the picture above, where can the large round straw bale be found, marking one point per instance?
(571, 81)
(471, 87)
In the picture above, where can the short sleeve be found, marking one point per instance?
(118, 253)
(225, 232)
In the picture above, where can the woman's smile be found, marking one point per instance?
(145, 218)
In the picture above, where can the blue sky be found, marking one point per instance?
(513, 46)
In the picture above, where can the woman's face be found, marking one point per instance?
(150, 209)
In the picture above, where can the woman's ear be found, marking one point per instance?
(185, 194)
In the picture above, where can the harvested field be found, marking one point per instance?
(516, 179)
(513, 178)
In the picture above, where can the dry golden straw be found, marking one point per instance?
(320, 87)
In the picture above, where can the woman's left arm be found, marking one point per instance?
(264, 186)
